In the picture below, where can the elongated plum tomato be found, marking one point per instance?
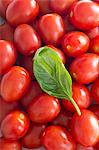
(81, 96)
(43, 108)
(14, 84)
(33, 137)
(57, 138)
(95, 91)
(15, 125)
(90, 16)
(85, 128)
(26, 39)
(51, 28)
(8, 56)
(28, 11)
(9, 145)
(75, 43)
(59, 52)
(85, 68)
(94, 45)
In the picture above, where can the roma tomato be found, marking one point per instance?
(51, 28)
(21, 11)
(14, 84)
(9, 145)
(43, 108)
(85, 128)
(57, 138)
(26, 39)
(15, 125)
(81, 147)
(94, 45)
(93, 32)
(33, 91)
(95, 91)
(59, 52)
(33, 137)
(81, 96)
(81, 19)
(8, 55)
(85, 68)
(75, 43)
(95, 109)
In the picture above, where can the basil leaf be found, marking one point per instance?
(52, 75)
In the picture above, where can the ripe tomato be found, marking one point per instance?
(51, 28)
(26, 39)
(15, 125)
(85, 128)
(94, 45)
(59, 52)
(87, 19)
(43, 108)
(93, 32)
(75, 43)
(85, 68)
(21, 11)
(81, 96)
(33, 91)
(95, 109)
(14, 84)
(8, 56)
(9, 145)
(33, 137)
(95, 91)
(57, 138)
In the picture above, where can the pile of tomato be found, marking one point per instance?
(29, 117)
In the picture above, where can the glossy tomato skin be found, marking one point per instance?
(95, 109)
(33, 91)
(59, 52)
(9, 145)
(93, 32)
(51, 28)
(85, 68)
(61, 7)
(15, 125)
(81, 96)
(57, 138)
(75, 43)
(43, 108)
(33, 137)
(28, 11)
(14, 84)
(8, 55)
(77, 12)
(95, 91)
(85, 128)
(26, 39)
(94, 45)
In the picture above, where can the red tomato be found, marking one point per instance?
(3, 6)
(85, 68)
(51, 28)
(85, 15)
(61, 6)
(33, 91)
(8, 56)
(9, 145)
(6, 108)
(26, 39)
(6, 32)
(33, 137)
(96, 147)
(93, 32)
(15, 125)
(75, 43)
(57, 138)
(59, 52)
(95, 91)
(81, 147)
(21, 11)
(95, 109)
(43, 108)
(85, 128)
(81, 96)
(94, 45)
(14, 84)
